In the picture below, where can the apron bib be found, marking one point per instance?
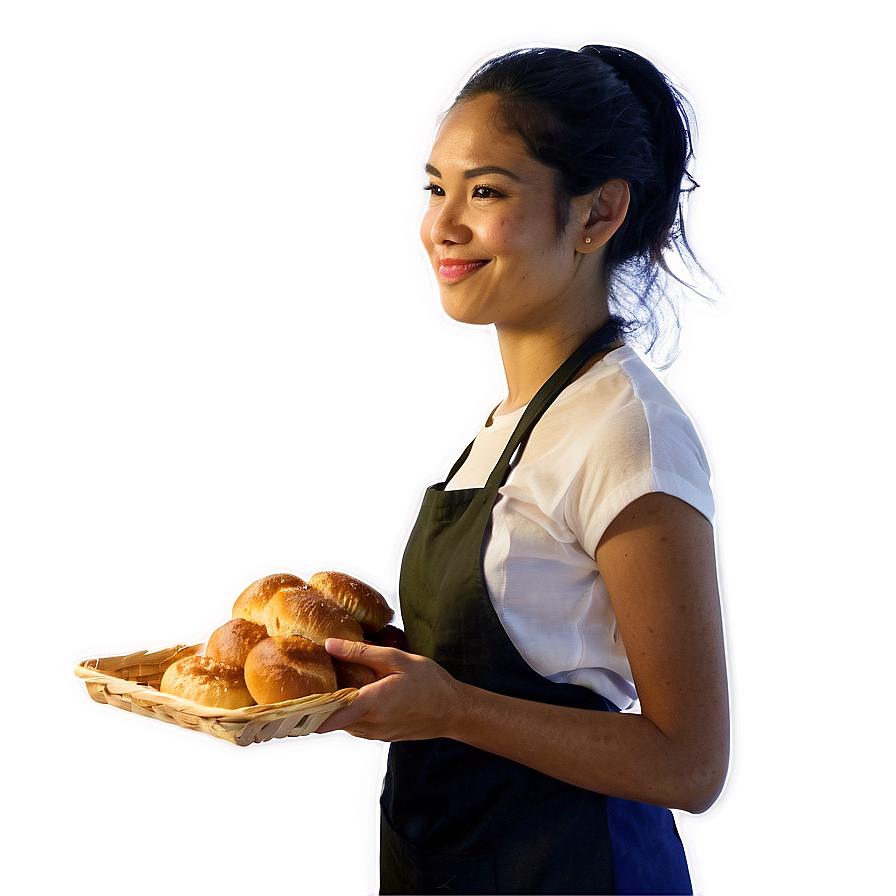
(456, 819)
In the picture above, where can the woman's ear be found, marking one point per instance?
(605, 210)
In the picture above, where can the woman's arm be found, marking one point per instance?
(658, 561)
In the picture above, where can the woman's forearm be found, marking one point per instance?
(619, 754)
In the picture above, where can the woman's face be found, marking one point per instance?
(491, 228)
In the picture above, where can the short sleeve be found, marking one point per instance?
(645, 443)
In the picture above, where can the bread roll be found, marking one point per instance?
(252, 602)
(230, 643)
(286, 668)
(364, 603)
(307, 613)
(206, 681)
(352, 675)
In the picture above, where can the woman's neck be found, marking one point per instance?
(530, 357)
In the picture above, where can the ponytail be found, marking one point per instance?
(598, 114)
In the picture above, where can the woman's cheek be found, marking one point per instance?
(501, 235)
(426, 231)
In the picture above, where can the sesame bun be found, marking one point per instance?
(357, 598)
(251, 604)
(286, 668)
(206, 681)
(230, 643)
(307, 613)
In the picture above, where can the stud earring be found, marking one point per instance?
(587, 239)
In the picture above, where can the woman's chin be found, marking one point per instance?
(465, 315)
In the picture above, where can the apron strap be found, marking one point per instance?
(596, 342)
(459, 462)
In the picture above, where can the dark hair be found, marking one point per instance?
(598, 114)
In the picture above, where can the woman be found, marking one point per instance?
(565, 568)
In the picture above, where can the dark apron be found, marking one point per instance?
(456, 819)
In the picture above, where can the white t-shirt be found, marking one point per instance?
(611, 436)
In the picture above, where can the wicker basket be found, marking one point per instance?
(131, 682)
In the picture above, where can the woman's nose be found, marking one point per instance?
(449, 225)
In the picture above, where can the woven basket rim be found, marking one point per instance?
(88, 670)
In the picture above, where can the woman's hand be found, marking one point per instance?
(412, 700)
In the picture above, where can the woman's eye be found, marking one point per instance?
(479, 192)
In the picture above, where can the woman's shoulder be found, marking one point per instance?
(619, 396)
(616, 421)
(615, 434)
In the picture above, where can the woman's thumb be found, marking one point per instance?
(358, 652)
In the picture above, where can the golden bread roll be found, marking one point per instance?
(352, 675)
(287, 668)
(252, 602)
(307, 613)
(230, 643)
(364, 603)
(206, 681)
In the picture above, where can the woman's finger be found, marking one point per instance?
(344, 718)
(383, 660)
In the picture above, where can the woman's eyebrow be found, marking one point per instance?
(472, 173)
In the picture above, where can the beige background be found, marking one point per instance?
(222, 355)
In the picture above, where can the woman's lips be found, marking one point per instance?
(453, 269)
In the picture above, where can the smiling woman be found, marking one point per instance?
(564, 570)
(491, 235)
